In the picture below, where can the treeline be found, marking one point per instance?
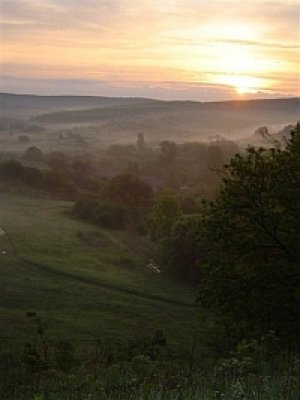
(123, 201)
(51, 181)
(188, 165)
(12, 126)
(187, 168)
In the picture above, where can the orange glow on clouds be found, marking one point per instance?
(249, 48)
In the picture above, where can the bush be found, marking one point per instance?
(102, 214)
(33, 154)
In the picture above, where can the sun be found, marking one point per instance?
(242, 90)
(240, 68)
(242, 84)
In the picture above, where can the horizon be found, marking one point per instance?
(172, 50)
(154, 99)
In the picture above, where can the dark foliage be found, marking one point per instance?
(252, 273)
(102, 214)
(33, 154)
(183, 249)
(50, 181)
(129, 191)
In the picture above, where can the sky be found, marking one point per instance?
(206, 50)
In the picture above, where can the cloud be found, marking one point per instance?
(148, 40)
(136, 20)
(40, 15)
(163, 90)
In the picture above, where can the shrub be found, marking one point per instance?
(102, 214)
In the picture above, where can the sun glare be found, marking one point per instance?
(240, 68)
(241, 84)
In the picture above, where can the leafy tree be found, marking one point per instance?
(103, 214)
(168, 160)
(168, 152)
(253, 226)
(166, 211)
(129, 191)
(182, 250)
(189, 203)
(24, 139)
(12, 170)
(215, 156)
(141, 144)
(57, 182)
(52, 181)
(33, 154)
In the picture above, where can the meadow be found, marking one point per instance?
(84, 281)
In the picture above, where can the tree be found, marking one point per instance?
(131, 193)
(168, 152)
(168, 157)
(24, 139)
(252, 274)
(105, 215)
(33, 154)
(166, 211)
(12, 170)
(141, 145)
(215, 156)
(183, 249)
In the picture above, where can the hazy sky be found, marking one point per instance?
(175, 49)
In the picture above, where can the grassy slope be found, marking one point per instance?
(85, 291)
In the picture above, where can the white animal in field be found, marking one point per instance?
(155, 268)
(2, 233)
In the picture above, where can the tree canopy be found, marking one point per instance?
(253, 227)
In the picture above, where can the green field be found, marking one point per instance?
(85, 282)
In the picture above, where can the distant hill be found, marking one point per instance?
(262, 109)
(177, 119)
(184, 119)
(26, 105)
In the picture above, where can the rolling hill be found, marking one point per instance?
(180, 120)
